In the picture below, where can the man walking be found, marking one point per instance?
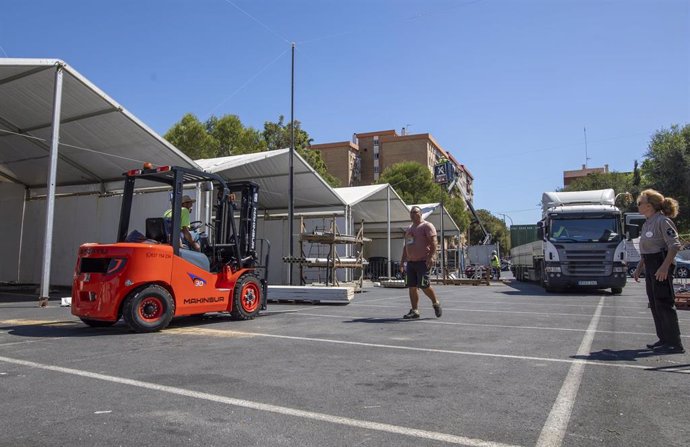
(419, 252)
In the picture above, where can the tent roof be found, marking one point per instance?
(432, 213)
(99, 139)
(369, 203)
(270, 171)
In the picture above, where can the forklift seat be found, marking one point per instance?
(196, 258)
(156, 229)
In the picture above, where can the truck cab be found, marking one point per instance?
(584, 247)
(580, 242)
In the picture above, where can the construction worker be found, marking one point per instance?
(186, 238)
(419, 253)
(495, 265)
(562, 231)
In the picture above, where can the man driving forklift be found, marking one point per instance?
(186, 238)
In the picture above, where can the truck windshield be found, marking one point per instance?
(585, 230)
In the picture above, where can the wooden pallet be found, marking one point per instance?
(683, 300)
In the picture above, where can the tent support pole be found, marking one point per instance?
(52, 179)
(388, 230)
(21, 236)
(291, 169)
(348, 230)
(443, 246)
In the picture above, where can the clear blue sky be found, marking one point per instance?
(506, 86)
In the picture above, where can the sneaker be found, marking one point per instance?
(670, 349)
(411, 315)
(655, 345)
(438, 310)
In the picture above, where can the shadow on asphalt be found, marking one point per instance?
(63, 329)
(384, 320)
(529, 288)
(621, 355)
(673, 368)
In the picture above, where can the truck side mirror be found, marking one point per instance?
(632, 231)
(540, 230)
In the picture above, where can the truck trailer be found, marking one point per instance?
(578, 243)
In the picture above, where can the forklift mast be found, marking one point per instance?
(242, 240)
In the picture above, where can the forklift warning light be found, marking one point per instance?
(147, 167)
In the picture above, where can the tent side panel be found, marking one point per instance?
(11, 203)
(78, 220)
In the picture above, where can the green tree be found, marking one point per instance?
(224, 136)
(232, 138)
(190, 136)
(494, 226)
(620, 182)
(667, 169)
(414, 183)
(278, 136)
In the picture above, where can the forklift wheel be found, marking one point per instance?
(247, 298)
(149, 309)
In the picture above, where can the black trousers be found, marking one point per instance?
(661, 300)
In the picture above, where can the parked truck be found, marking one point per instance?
(578, 243)
(632, 246)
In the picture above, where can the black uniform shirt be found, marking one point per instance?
(658, 233)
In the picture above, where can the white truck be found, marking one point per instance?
(580, 243)
(632, 246)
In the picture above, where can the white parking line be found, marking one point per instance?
(234, 334)
(504, 302)
(322, 417)
(488, 325)
(553, 432)
(462, 309)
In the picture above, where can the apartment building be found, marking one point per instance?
(571, 176)
(362, 160)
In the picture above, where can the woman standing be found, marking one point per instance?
(659, 244)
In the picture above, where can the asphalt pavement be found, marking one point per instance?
(506, 364)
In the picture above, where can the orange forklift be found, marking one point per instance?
(148, 279)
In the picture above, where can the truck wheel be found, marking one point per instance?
(149, 309)
(246, 302)
(97, 323)
(616, 290)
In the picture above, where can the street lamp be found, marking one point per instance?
(504, 218)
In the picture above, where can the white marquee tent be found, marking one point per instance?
(80, 161)
(60, 133)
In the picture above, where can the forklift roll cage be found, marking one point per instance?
(242, 244)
